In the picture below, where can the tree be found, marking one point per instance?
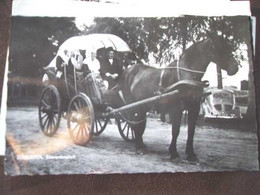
(34, 41)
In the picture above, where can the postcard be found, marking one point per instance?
(111, 93)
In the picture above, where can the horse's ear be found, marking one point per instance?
(210, 43)
(210, 34)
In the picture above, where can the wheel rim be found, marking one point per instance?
(50, 110)
(100, 125)
(80, 119)
(125, 130)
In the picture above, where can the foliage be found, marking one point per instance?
(34, 41)
(166, 38)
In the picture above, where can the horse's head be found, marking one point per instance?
(220, 51)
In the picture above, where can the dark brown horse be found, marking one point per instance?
(141, 81)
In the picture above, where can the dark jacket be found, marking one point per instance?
(107, 67)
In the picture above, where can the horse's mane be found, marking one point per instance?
(194, 49)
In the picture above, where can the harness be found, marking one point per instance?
(178, 68)
(160, 90)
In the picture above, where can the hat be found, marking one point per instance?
(110, 49)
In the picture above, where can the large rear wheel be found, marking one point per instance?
(80, 119)
(50, 110)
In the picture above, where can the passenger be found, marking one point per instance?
(77, 60)
(129, 60)
(92, 65)
(110, 69)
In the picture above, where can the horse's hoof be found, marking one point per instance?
(141, 149)
(176, 159)
(192, 158)
(139, 152)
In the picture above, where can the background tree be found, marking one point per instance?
(166, 38)
(34, 41)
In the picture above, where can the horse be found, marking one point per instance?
(142, 81)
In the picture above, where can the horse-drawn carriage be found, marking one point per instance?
(83, 108)
(177, 87)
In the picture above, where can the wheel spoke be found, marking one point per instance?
(54, 121)
(125, 126)
(99, 122)
(75, 127)
(48, 124)
(50, 130)
(76, 106)
(79, 131)
(96, 129)
(128, 130)
(80, 103)
(45, 103)
(56, 117)
(55, 111)
(133, 135)
(44, 115)
(87, 129)
(85, 132)
(47, 119)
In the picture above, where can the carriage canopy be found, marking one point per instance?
(89, 43)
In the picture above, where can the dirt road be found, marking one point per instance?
(218, 147)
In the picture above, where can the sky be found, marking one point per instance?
(127, 8)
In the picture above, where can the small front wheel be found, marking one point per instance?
(125, 130)
(100, 125)
(80, 119)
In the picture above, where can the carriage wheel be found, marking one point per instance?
(50, 110)
(100, 125)
(125, 130)
(80, 119)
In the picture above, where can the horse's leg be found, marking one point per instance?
(139, 131)
(175, 116)
(193, 113)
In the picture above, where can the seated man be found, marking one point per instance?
(110, 69)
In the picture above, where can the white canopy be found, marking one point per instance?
(89, 43)
(93, 42)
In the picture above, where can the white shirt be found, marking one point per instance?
(93, 65)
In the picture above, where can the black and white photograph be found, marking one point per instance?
(103, 95)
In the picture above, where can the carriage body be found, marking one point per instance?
(73, 93)
(65, 76)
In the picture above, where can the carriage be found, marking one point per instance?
(62, 96)
(78, 99)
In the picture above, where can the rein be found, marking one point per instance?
(185, 69)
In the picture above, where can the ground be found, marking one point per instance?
(219, 147)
